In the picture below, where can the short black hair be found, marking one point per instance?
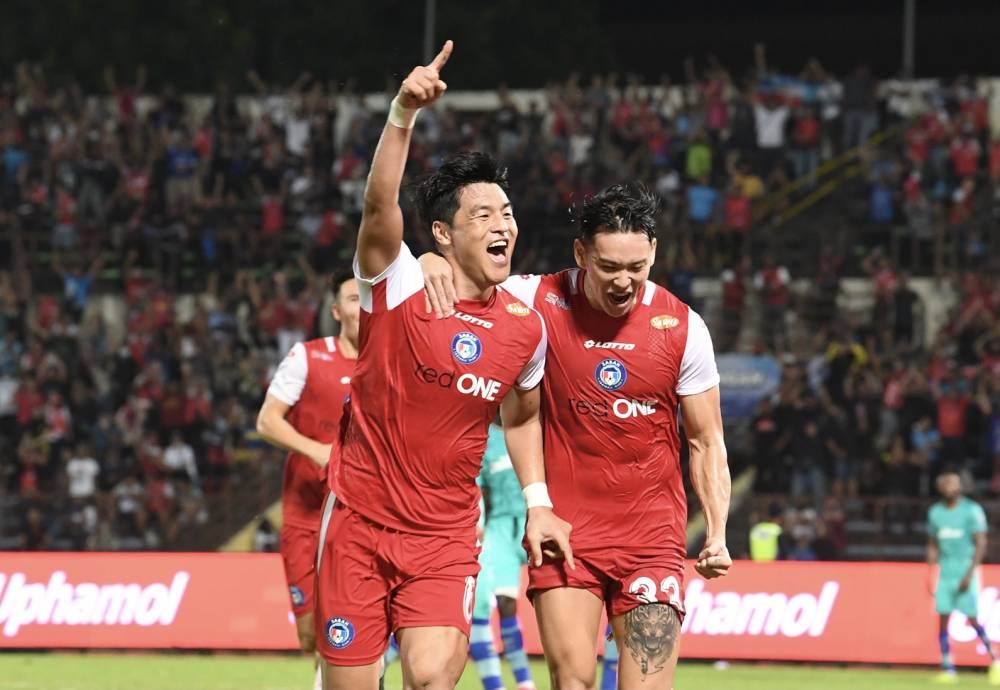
(628, 207)
(437, 195)
(337, 281)
(950, 468)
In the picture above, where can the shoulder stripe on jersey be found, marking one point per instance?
(649, 293)
(331, 343)
(571, 277)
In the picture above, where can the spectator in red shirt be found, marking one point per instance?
(952, 417)
(916, 144)
(28, 400)
(172, 408)
(995, 160)
(737, 217)
(772, 284)
(58, 420)
(160, 495)
(734, 293)
(965, 152)
(805, 143)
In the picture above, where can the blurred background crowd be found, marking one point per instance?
(159, 252)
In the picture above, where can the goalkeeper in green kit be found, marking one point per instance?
(956, 542)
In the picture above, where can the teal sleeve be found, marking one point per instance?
(978, 519)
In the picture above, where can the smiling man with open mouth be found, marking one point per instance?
(624, 354)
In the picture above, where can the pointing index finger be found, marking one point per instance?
(441, 58)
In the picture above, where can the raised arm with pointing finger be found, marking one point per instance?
(381, 231)
(398, 552)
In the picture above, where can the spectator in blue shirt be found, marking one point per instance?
(880, 209)
(701, 202)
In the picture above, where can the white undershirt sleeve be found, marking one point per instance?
(403, 278)
(523, 287)
(698, 371)
(534, 370)
(290, 378)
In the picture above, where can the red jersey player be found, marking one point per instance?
(400, 552)
(302, 413)
(623, 355)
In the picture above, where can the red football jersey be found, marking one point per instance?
(314, 378)
(610, 403)
(423, 395)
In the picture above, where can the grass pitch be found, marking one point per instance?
(127, 671)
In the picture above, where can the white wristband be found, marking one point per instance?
(401, 116)
(537, 495)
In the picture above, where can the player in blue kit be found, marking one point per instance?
(956, 543)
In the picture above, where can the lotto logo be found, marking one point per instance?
(474, 320)
(610, 345)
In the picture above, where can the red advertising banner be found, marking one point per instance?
(148, 600)
(850, 612)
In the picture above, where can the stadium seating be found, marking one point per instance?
(159, 254)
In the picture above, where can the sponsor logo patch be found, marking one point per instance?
(298, 596)
(517, 309)
(554, 299)
(664, 321)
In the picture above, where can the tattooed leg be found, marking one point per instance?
(649, 636)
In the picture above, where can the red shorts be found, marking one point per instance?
(374, 580)
(298, 552)
(622, 580)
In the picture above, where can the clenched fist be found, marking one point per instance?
(423, 85)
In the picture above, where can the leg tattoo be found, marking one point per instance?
(651, 634)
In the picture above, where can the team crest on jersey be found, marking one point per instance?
(610, 374)
(664, 321)
(298, 596)
(339, 632)
(517, 309)
(466, 347)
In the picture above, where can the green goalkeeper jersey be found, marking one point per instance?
(498, 479)
(953, 529)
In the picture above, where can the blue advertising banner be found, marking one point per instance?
(745, 380)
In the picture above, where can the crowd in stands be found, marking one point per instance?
(158, 257)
